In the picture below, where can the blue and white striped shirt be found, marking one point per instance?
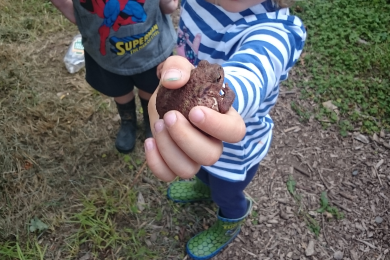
(256, 47)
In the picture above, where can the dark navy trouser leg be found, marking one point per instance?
(229, 196)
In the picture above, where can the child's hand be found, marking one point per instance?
(66, 8)
(168, 6)
(178, 148)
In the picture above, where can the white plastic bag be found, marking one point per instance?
(74, 57)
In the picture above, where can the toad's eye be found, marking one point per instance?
(218, 78)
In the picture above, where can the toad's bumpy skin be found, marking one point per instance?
(202, 89)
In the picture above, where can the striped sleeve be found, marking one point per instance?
(264, 56)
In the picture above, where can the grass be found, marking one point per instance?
(98, 228)
(31, 250)
(64, 190)
(347, 60)
(24, 21)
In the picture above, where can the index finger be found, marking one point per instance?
(229, 127)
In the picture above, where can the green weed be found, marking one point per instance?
(132, 161)
(325, 207)
(312, 224)
(303, 113)
(254, 216)
(291, 183)
(348, 60)
(37, 225)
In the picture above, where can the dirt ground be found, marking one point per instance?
(57, 140)
(356, 176)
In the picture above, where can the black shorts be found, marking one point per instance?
(114, 85)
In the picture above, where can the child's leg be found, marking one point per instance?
(126, 136)
(125, 98)
(233, 209)
(145, 113)
(229, 196)
(121, 88)
(146, 82)
(203, 176)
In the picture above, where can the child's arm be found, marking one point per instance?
(66, 8)
(178, 148)
(168, 6)
(254, 72)
(263, 60)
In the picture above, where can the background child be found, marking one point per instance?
(257, 42)
(124, 41)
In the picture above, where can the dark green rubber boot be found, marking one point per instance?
(189, 191)
(148, 131)
(210, 242)
(125, 139)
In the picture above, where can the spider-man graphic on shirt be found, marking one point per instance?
(115, 13)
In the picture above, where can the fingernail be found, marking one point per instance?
(149, 145)
(159, 126)
(170, 118)
(172, 75)
(197, 115)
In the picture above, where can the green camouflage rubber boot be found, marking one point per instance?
(208, 243)
(189, 191)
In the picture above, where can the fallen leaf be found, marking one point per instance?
(140, 202)
(302, 59)
(361, 138)
(28, 165)
(87, 256)
(328, 215)
(61, 95)
(329, 105)
(116, 118)
(37, 224)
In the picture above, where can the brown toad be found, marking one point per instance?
(202, 89)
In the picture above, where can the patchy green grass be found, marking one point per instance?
(23, 21)
(64, 190)
(29, 250)
(347, 60)
(103, 224)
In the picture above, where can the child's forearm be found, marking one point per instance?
(168, 6)
(66, 8)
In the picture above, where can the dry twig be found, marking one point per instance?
(246, 251)
(341, 206)
(366, 243)
(377, 175)
(323, 180)
(138, 174)
(302, 171)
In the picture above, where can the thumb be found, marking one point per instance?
(175, 72)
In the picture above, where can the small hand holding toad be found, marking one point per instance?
(203, 88)
(182, 143)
